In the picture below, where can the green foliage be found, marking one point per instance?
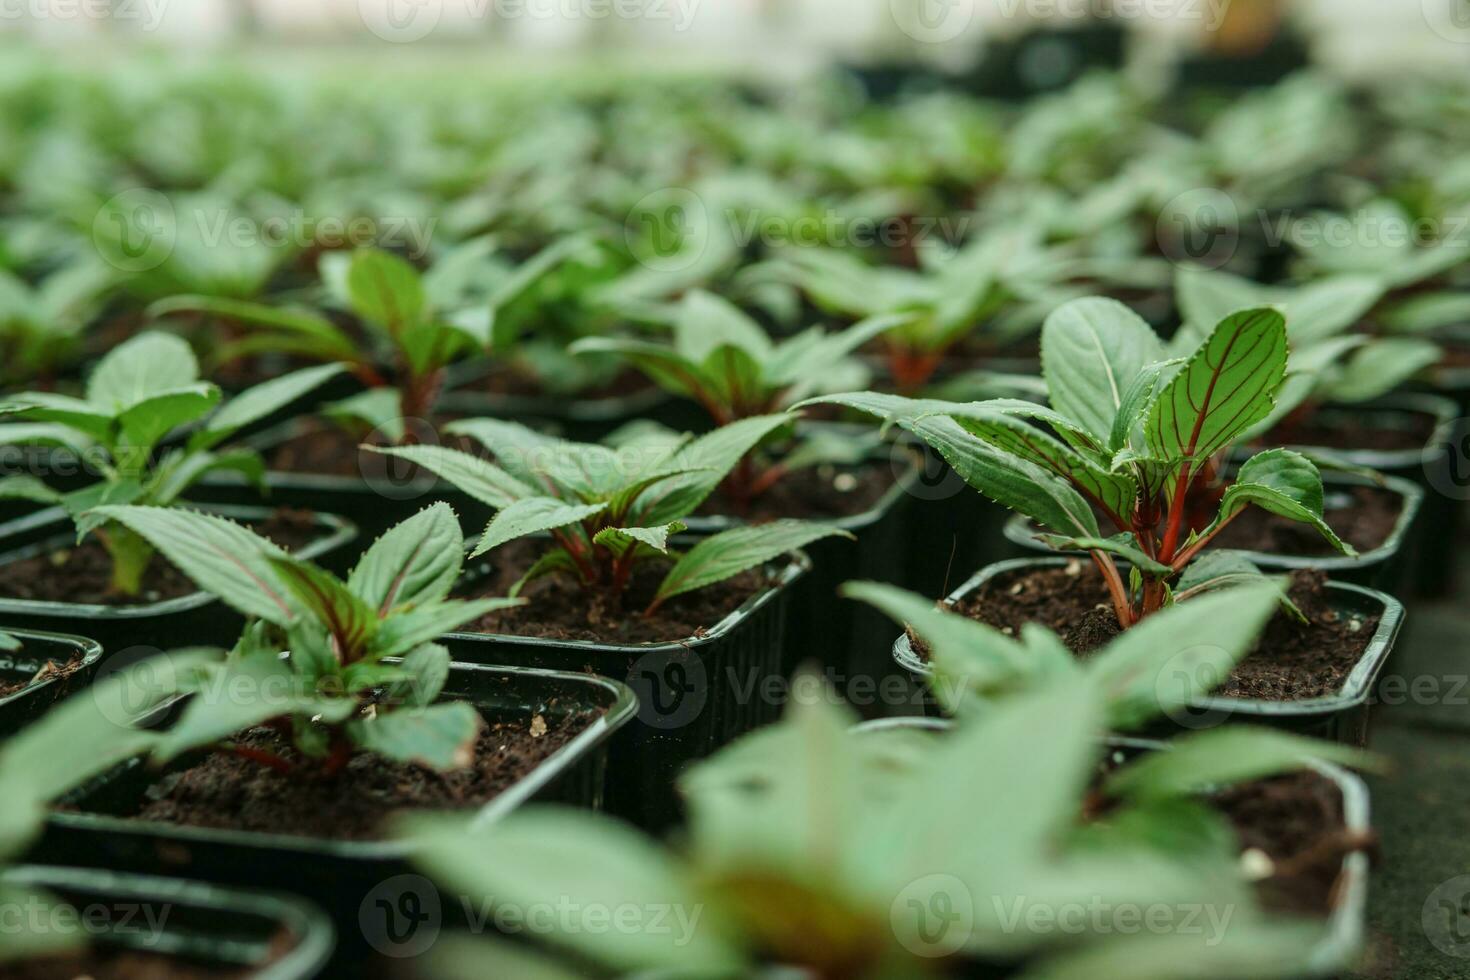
(42, 326)
(609, 511)
(362, 672)
(139, 396)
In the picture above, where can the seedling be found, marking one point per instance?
(362, 672)
(1134, 437)
(42, 326)
(140, 394)
(609, 512)
(1004, 804)
(725, 361)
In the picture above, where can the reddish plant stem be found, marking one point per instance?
(912, 369)
(1122, 606)
(259, 757)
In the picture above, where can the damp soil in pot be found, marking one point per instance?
(826, 492)
(1294, 662)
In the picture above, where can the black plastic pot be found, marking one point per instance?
(839, 637)
(1344, 930)
(37, 650)
(1433, 466)
(339, 875)
(197, 618)
(1385, 567)
(1341, 717)
(694, 696)
(276, 937)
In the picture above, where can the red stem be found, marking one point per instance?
(260, 757)
(1122, 606)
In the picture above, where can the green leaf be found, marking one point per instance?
(1178, 654)
(27, 488)
(1378, 367)
(300, 330)
(377, 409)
(404, 631)
(707, 323)
(665, 366)
(1228, 386)
(1091, 350)
(240, 695)
(426, 669)
(139, 369)
(350, 621)
(179, 471)
(1285, 483)
(44, 434)
(441, 737)
(479, 478)
(530, 516)
(807, 365)
(1244, 947)
(415, 562)
(697, 469)
(545, 854)
(1426, 313)
(1223, 758)
(731, 552)
(1122, 545)
(152, 418)
(972, 662)
(256, 403)
(220, 556)
(620, 539)
(385, 291)
(39, 406)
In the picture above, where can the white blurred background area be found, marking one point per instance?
(776, 35)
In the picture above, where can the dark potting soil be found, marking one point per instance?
(51, 670)
(1364, 517)
(559, 609)
(815, 493)
(83, 574)
(229, 792)
(330, 450)
(1292, 662)
(1346, 432)
(115, 963)
(1297, 821)
(509, 382)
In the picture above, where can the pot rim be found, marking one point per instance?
(91, 653)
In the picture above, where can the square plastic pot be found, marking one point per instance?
(215, 928)
(194, 619)
(1385, 568)
(1340, 717)
(36, 651)
(340, 875)
(694, 696)
(1343, 931)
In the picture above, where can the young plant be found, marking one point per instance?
(139, 395)
(362, 672)
(1134, 437)
(609, 511)
(778, 869)
(1331, 361)
(724, 360)
(42, 327)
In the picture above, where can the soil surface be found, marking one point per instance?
(1297, 821)
(107, 963)
(506, 381)
(815, 493)
(560, 609)
(83, 574)
(1345, 431)
(1293, 662)
(1364, 517)
(232, 793)
(330, 450)
(12, 681)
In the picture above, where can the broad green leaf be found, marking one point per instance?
(45, 407)
(426, 670)
(1223, 758)
(303, 329)
(522, 451)
(1228, 386)
(179, 471)
(1207, 296)
(479, 478)
(1285, 483)
(1238, 946)
(254, 404)
(44, 434)
(152, 418)
(1379, 367)
(664, 365)
(731, 552)
(417, 561)
(530, 516)
(140, 368)
(972, 662)
(1137, 399)
(707, 322)
(386, 291)
(1122, 545)
(807, 366)
(441, 737)
(377, 409)
(405, 631)
(240, 695)
(1178, 654)
(697, 469)
(220, 556)
(1329, 307)
(350, 620)
(1426, 313)
(620, 539)
(1091, 350)
(467, 958)
(543, 854)
(27, 488)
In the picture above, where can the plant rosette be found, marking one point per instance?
(1318, 677)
